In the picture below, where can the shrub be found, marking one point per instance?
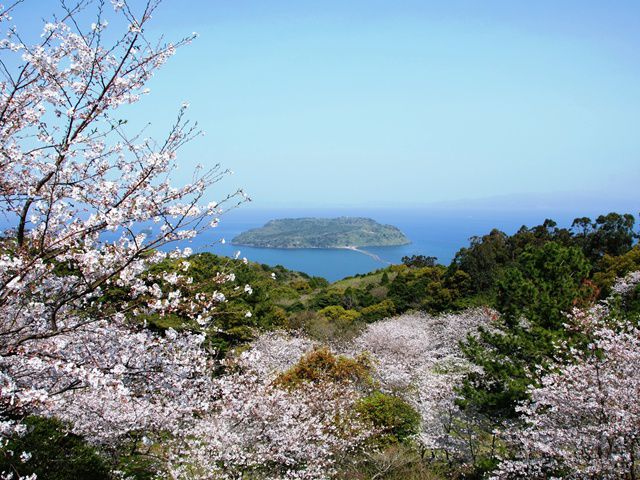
(337, 313)
(397, 419)
(322, 365)
(381, 310)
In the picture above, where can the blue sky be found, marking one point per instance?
(403, 102)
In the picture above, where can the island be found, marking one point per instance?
(342, 232)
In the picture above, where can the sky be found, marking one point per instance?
(378, 103)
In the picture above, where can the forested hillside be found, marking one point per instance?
(125, 356)
(436, 364)
(322, 233)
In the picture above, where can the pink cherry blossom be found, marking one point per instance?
(584, 418)
(91, 208)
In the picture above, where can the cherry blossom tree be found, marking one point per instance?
(583, 421)
(259, 427)
(277, 351)
(417, 356)
(626, 284)
(90, 207)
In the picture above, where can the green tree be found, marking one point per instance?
(613, 235)
(338, 313)
(544, 283)
(397, 420)
(378, 311)
(483, 259)
(321, 365)
(533, 295)
(419, 261)
(582, 227)
(610, 234)
(613, 267)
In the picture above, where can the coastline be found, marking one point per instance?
(343, 247)
(369, 254)
(351, 248)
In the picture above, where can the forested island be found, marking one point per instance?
(322, 233)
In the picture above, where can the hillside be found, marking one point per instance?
(322, 233)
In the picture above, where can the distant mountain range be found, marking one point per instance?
(577, 203)
(339, 232)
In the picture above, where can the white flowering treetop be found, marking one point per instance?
(417, 356)
(258, 426)
(77, 191)
(583, 421)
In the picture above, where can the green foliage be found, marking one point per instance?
(56, 453)
(533, 294)
(612, 267)
(318, 282)
(483, 259)
(397, 420)
(409, 287)
(631, 305)
(138, 467)
(487, 256)
(325, 298)
(545, 282)
(419, 261)
(610, 234)
(378, 311)
(230, 327)
(322, 328)
(433, 289)
(321, 233)
(338, 314)
(322, 365)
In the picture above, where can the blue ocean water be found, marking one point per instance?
(433, 232)
(438, 232)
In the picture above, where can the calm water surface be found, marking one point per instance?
(433, 232)
(436, 233)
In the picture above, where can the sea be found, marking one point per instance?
(433, 232)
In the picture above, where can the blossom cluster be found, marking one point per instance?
(584, 417)
(417, 356)
(257, 426)
(627, 283)
(90, 209)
